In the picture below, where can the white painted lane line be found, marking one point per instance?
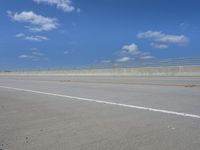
(107, 102)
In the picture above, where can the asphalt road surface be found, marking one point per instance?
(99, 113)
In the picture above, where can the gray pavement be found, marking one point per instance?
(34, 121)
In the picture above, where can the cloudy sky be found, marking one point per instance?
(64, 33)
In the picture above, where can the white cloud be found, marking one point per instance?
(106, 61)
(132, 52)
(65, 5)
(20, 35)
(34, 56)
(123, 59)
(34, 49)
(164, 38)
(146, 57)
(25, 56)
(37, 54)
(36, 38)
(131, 49)
(149, 34)
(36, 22)
(160, 46)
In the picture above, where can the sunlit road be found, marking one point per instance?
(89, 113)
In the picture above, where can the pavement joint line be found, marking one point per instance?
(106, 102)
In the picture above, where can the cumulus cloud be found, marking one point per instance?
(131, 49)
(36, 38)
(160, 46)
(65, 5)
(132, 52)
(158, 36)
(129, 53)
(36, 22)
(123, 59)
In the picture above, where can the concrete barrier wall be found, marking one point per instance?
(145, 71)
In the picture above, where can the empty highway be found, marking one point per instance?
(99, 113)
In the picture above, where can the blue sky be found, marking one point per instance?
(67, 33)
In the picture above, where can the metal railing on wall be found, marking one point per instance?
(184, 61)
(189, 61)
